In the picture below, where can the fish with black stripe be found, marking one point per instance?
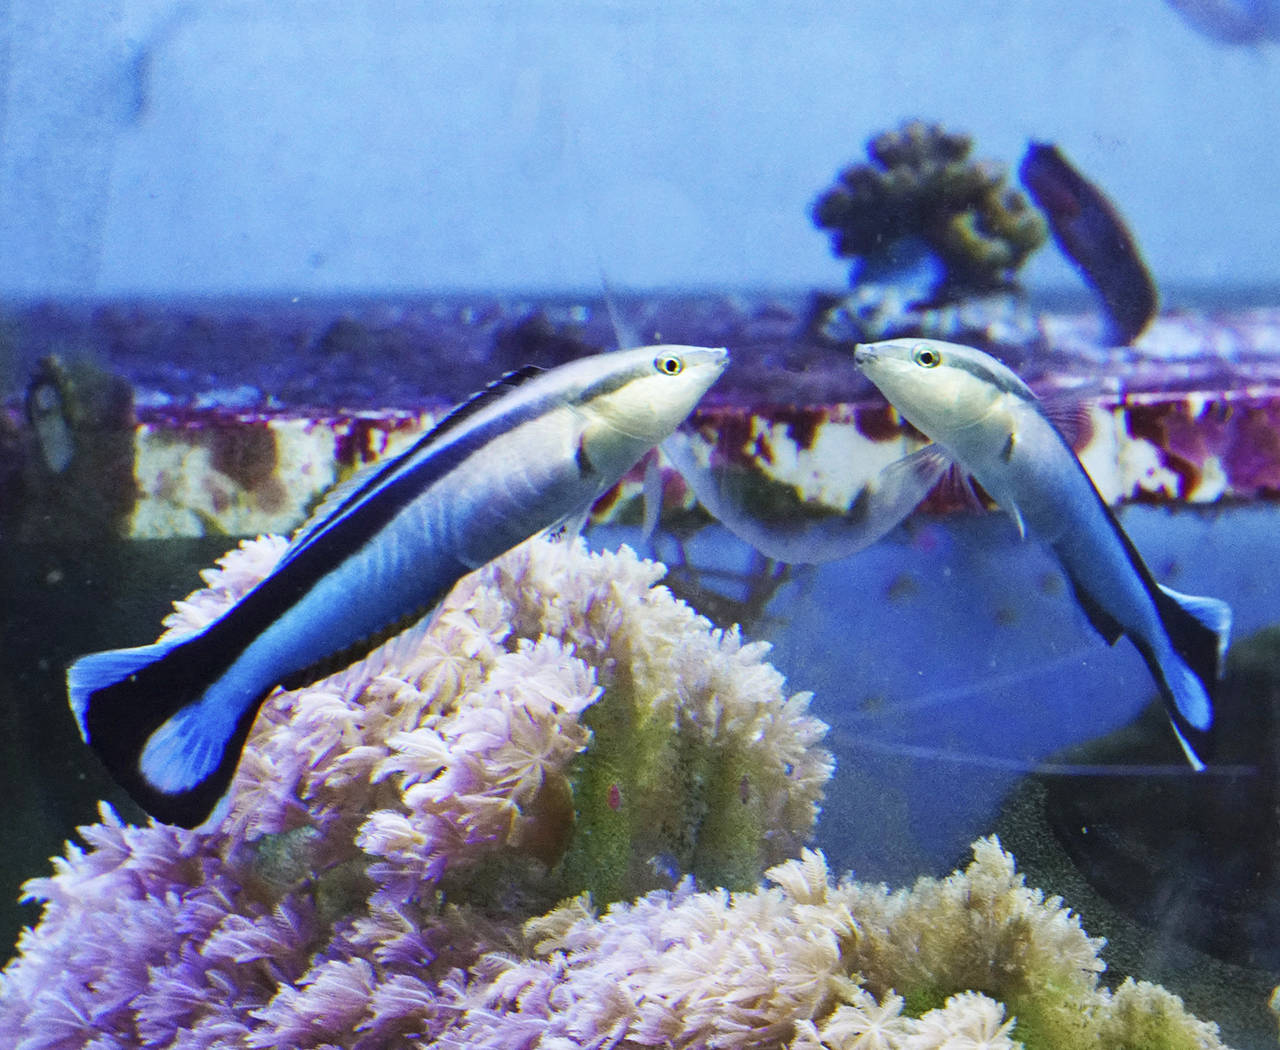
(533, 450)
(990, 423)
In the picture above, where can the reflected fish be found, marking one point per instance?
(534, 449)
(991, 424)
(878, 508)
(1090, 232)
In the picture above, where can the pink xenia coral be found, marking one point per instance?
(392, 823)
(400, 832)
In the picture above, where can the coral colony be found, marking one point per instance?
(541, 820)
(921, 185)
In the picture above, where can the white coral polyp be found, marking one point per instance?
(386, 776)
(968, 1021)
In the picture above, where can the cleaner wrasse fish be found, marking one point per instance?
(991, 424)
(533, 450)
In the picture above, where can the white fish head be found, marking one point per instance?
(645, 393)
(939, 387)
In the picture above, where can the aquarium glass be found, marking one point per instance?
(966, 562)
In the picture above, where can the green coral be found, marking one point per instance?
(975, 961)
(698, 760)
(921, 184)
(399, 830)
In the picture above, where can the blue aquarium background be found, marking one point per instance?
(219, 215)
(157, 148)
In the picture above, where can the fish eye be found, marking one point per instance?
(926, 356)
(669, 365)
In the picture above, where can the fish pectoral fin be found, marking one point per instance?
(1101, 620)
(571, 525)
(1016, 514)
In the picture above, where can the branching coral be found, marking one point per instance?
(922, 185)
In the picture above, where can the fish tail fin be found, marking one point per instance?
(88, 675)
(1199, 630)
(171, 749)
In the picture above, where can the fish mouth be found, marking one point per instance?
(862, 353)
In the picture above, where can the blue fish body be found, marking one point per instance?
(169, 720)
(991, 425)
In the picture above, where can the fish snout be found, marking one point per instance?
(862, 353)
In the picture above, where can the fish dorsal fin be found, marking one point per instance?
(333, 501)
(465, 409)
(346, 493)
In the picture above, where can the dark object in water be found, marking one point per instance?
(69, 469)
(921, 189)
(1238, 22)
(1091, 233)
(1195, 857)
(48, 417)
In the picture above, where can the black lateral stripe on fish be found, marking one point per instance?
(169, 719)
(970, 404)
(347, 495)
(1090, 232)
(143, 700)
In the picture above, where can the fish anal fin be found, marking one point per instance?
(1101, 620)
(354, 653)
